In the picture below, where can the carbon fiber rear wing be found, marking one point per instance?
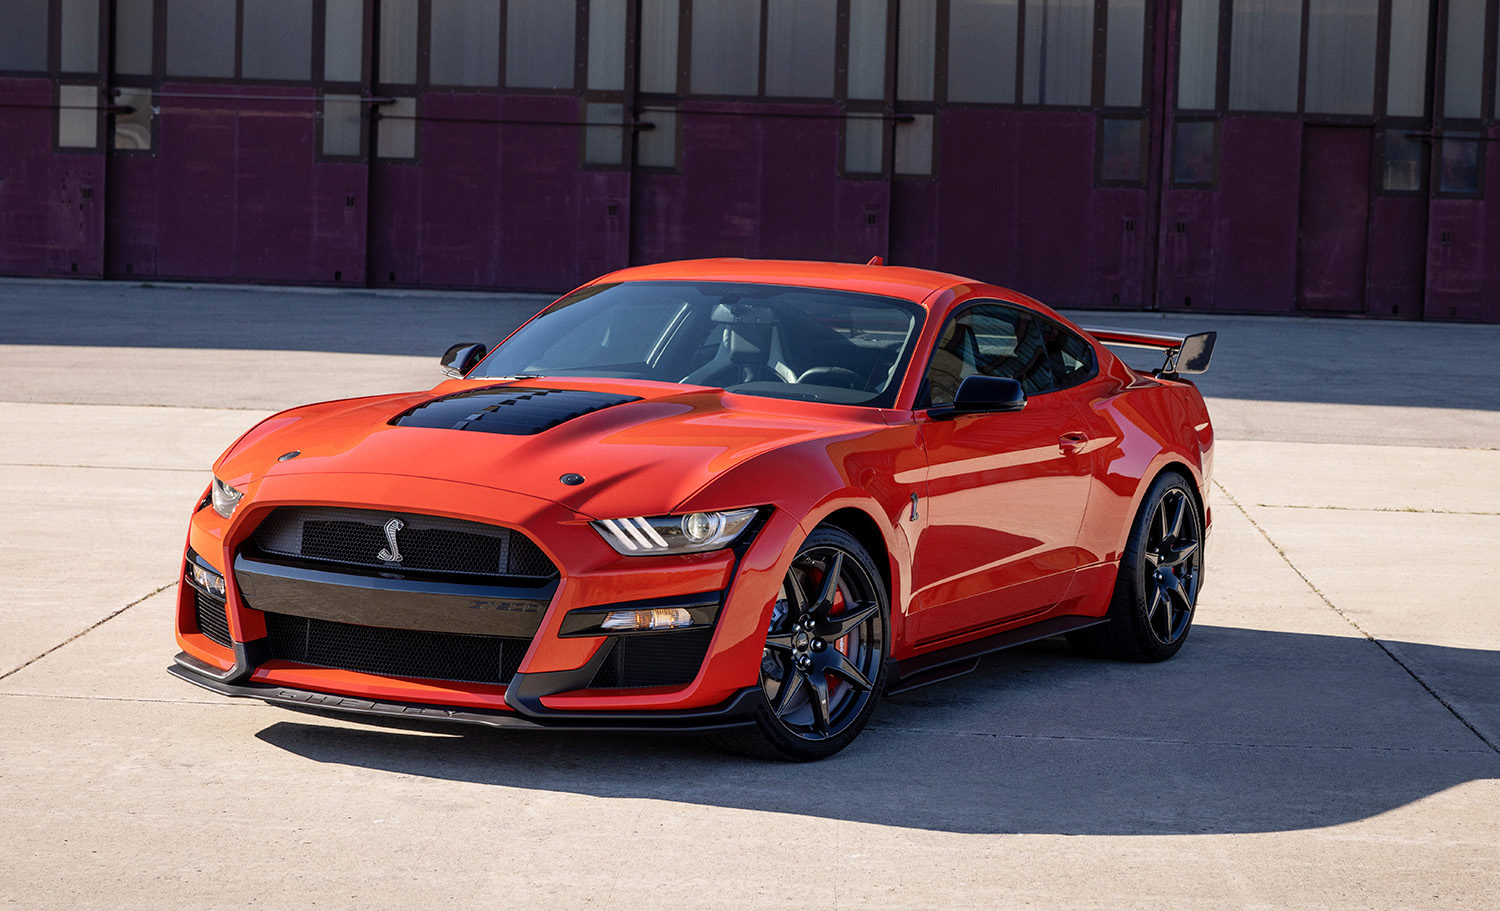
(1185, 353)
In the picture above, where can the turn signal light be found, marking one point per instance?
(207, 579)
(647, 618)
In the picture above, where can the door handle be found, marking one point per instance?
(1072, 442)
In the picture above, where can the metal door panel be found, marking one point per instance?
(1333, 219)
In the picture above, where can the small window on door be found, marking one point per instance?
(991, 340)
(1461, 163)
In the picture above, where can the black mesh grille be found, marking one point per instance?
(659, 659)
(213, 619)
(357, 537)
(395, 652)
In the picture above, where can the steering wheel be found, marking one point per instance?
(737, 374)
(840, 377)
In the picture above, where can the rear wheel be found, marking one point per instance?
(824, 660)
(1161, 571)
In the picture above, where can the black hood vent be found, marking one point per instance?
(507, 409)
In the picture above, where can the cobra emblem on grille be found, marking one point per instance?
(391, 554)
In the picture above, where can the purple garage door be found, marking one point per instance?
(1333, 219)
(1280, 156)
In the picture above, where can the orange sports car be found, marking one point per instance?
(736, 497)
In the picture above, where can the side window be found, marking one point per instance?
(1072, 358)
(993, 340)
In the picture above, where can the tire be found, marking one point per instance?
(1161, 572)
(824, 662)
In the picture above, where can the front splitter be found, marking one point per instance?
(733, 713)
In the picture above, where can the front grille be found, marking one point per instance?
(434, 544)
(213, 618)
(395, 652)
(655, 659)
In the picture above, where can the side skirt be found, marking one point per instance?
(957, 660)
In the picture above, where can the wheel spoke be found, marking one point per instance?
(1176, 587)
(796, 598)
(841, 626)
(791, 684)
(839, 664)
(830, 585)
(1158, 597)
(819, 697)
(782, 642)
(1179, 512)
(1166, 615)
(1176, 556)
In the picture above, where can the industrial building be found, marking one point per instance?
(1269, 156)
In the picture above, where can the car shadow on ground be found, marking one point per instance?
(1246, 731)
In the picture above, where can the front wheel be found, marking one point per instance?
(824, 661)
(1161, 571)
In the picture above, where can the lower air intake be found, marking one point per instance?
(395, 652)
(213, 619)
(655, 659)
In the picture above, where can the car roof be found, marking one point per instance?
(915, 285)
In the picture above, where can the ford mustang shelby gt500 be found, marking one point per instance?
(738, 497)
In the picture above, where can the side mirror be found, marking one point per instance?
(979, 394)
(462, 357)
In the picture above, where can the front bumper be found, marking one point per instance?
(557, 681)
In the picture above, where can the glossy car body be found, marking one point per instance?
(986, 529)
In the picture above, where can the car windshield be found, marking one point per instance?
(771, 340)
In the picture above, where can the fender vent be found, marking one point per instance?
(507, 409)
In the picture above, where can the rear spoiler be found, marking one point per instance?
(1185, 353)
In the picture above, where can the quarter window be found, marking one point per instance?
(1071, 357)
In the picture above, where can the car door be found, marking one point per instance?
(1006, 492)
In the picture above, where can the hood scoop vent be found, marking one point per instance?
(507, 409)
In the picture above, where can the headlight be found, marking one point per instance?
(693, 533)
(225, 498)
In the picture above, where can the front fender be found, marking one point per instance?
(862, 483)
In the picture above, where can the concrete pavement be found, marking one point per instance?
(1330, 736)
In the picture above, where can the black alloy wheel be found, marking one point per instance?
(1161, 572)
(824, 661)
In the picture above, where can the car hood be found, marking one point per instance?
(640, 448)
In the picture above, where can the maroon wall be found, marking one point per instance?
(51, 201)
